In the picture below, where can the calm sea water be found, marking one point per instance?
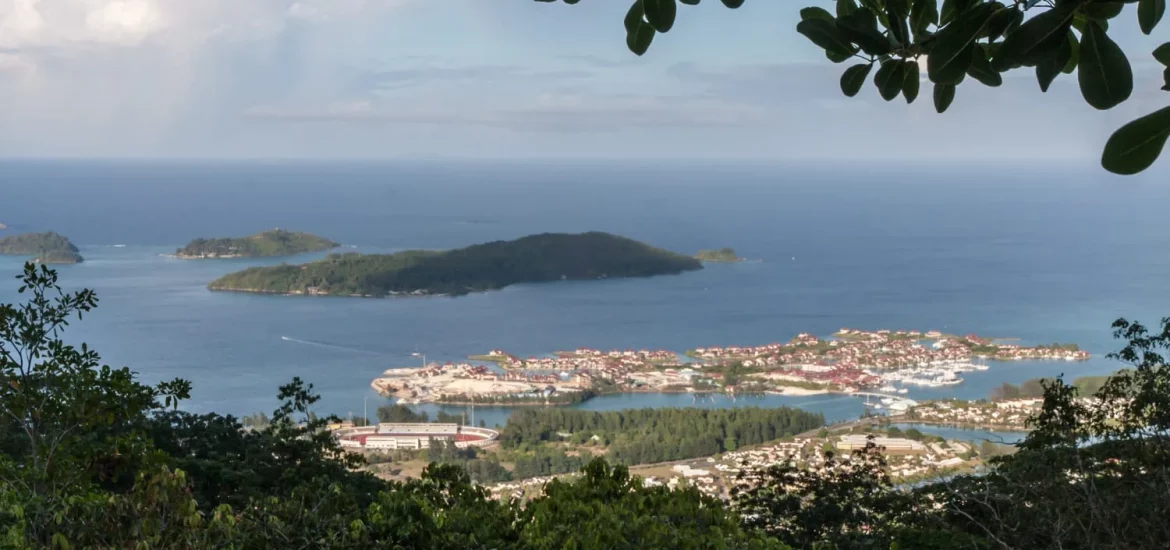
(1038, 254)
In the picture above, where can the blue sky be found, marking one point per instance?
(497, 79)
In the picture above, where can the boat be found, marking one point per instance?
(887, 400)
(903, 391)
(888, 389)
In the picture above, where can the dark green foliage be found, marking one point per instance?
(46, 248)
(400, 413)
(1039, 34)
(276, 242)
(640, 436)
(533, 259)
(608, 508)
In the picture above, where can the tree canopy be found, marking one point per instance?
(980, 39)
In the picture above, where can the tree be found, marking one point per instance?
(67, 423)
(400, 413)
(982, 39)
(608, 508)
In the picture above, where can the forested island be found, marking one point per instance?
(490, 266)
(276, 242)
(720, 255)
(45, 248)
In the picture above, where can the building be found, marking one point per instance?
(393, 436)
(856, 442)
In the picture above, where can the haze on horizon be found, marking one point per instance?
(402, 79)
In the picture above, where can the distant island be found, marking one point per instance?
(276, 242)
(45, 248)
(3, 227)
(720, 255)
(533, 259)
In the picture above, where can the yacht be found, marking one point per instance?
(888, 389)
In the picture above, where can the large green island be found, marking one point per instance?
(276, 242)
(45, 248)
(533, 259)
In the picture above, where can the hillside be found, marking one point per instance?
(46, 248)
(533, 259)
(276, 242)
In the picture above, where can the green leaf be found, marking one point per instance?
(1075, 54)
(1003, 20)
(1162, 54)
(837, 57)
(911, 80)
(861, 28)
(634, 17)
(1105, 75)
(1049, 69)
(854, 77)
(639, 39)
(980, 68)
(951, 54)
(948, 12)
(1036, 39)
(899, 28)
(846, 7)
(923, 14)
(660, 13)
(1150, 12)
(690, 2)
(1135, 146)
(825, 35)
(1166, 78)
(889, 79)
(1102, 10)
(816, 13)
(944, 94)
(733, 3)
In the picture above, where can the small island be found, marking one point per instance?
(276, 242)
(720, 255)
(491, 266)
(45, 248)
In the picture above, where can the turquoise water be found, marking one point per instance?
(1041, 255)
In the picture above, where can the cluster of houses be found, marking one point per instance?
(1011, 414)
(588, 363)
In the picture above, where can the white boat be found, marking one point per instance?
(888, 389)
(887, 400)
(903, 390)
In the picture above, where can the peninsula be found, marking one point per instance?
(882, 364)
(45, 248)
(533, 259)
(720, 255)
(276, 242)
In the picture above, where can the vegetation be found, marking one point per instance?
(1033, 388)
(46, 248)
(490, 266)
(982, 39)
(276, 242)
(640, 436)
(91, 457)
(720, 255)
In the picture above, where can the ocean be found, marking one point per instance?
(1037, 253)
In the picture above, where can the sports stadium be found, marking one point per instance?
(391, 436)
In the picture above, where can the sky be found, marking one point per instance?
(493, 79)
